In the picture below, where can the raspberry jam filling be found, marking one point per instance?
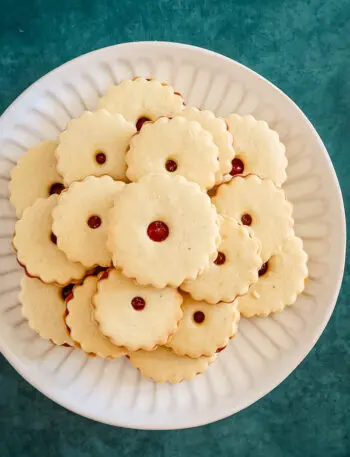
(198, 317)
(140, 122)
(220, 259)
(105, 274)
(138, 303)
(237, 167)
(246, 219)
(263, 269)
(171, 165)
(53, 238)
(158, 231)
(94, 222)
(100, 157)
(56, 188)
(67, 291)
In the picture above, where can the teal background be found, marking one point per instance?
(303, 46)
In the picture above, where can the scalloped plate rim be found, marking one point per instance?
(16, 362)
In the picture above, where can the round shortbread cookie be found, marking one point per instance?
(221, 136)
(83, 328)
(163, 365)
(260, 205)
(234, 269)
(281, 280)
(133, 316)
(141, 100)
(35, 176)
(80, 220)
(204, 328)
(163, 230)
(175, 147)
(94, 144)
(36, 246)
(258, 149)
(44, 307)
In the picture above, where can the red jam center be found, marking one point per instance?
(198, 317)
(140, 122)
(220, 259)
(263, 269)
(237, 167)
(221, 349)
(158, 231)
(56, 188)
(53, 238)
(67, 291)
(246, 219)
(94, 222)
(100, 158)
(138, 303)
(171, 165)
(105, 274)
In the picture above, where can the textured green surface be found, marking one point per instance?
(303, 46)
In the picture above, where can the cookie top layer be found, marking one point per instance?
(204, 328)
(163, 230)
(258, 148)
(262, 206)
(36, 246)
(82, 325)
(221, 136)
(281, 280)
(141, 98)
(133, 316)
(163, 365)
(94, 144)
(234, 269)
(175, 147)
(80, 220)
(44, 307)
(35, 176)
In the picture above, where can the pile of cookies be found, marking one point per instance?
(148, 227)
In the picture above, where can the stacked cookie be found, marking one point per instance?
(148, 227)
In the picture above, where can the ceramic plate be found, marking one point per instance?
(265, 351)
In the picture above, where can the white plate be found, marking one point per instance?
(265, 350)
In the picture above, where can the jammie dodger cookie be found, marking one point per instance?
(133, 316)
(141, 100)
(233, 270)
(175, 147)
(163, 365)
(258, 149)
(281, 280)
(204, 328)
(163, 230)
(94, 144)
(36, 246)
(80, 220)
(35, 176)
(83, 328)
(262, 206)
(221, 136)
(44, 306)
